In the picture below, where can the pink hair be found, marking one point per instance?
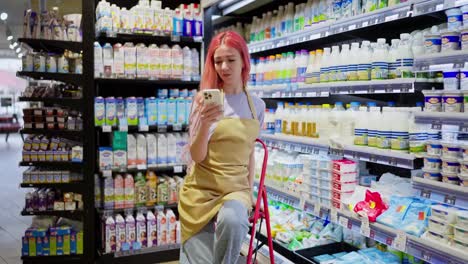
(210, 80)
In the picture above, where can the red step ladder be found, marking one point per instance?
(260, 214)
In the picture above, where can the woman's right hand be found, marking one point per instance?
(209, 113)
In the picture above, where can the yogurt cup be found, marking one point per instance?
(439, 226)
(432, 43)
(464, 10)
(454, 18)
(433, 174)
(434, 148)
(452, 101)
(450, 40)
(450, 165)
(450, 150)
(462, 218)
(463, 165)
(450, 178)
(460, 244)
(445, 213)
(432, 162)
(451, 80)
(432, 100)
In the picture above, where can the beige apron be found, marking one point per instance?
(223, 175)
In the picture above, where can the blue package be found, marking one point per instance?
(162, 93)
(120, 107)
(59, 245)
(141, 107)
(339, 255)
(183, 93)
(174, 93)
(162, 111)
(188, 108)
(73, 242)
(152, 111)
(326, 258)
(415, 219)
(25, 246)
(39, 246)
(181, 111)
(396, 211)
(46, 246)
(171, 111)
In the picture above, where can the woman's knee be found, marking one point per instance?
(233, 217)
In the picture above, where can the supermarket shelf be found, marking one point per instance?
(69, 259)
(69, 186)
(192, 42)
(158, 254)
(76, 103)
(52, 45)
(52, 132)
(134, 129)
(67, 214)
(442, 192)
(314, 146)
(55, 164)
(430, 6)
(279, 248)
(145, 82)
(441, 61)
(430, 252)
(175, 169)
(330, 28)
(281, 195)
(122, 210)
(62, 77)
(437, 119)
(396, 86)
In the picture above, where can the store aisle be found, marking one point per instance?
(12, 224)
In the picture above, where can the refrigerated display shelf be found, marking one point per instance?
(69, 259)
(52, 45)
(135, 209)
(431, 6)
(52, 132)
(315, 146)
(175, 169)
(146, 128)
(148, 39)
(75, 103)
(69, 186)
(72, 78)
(61, 213)
(397, 86)
(112, 82)
(442, 192)
(431, 252)
(441, 61)
(437, 119)
(54, 164)
(158, 254)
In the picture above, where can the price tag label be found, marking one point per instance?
(426, 256)
(373, 158)
(352, 27)
(392, 162)
(388, 90)
(365, 24)
(400, 241)
(372, 234)
(450, 199)
(143, 128)
(177, 127)
(343, 221)
(178, 169)
(365, 228)
(371, 90)
(426, 194)
(107, 173)
(162, 129)
(464, 128)
(389, 241)
(106, 129)
(439, 7)
(123, 128)
(175, 38)
(141, 166)
(436, 126)
(333, 215)
(391, 18)
(315, 36)
(317, 207)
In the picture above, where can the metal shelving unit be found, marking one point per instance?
(53, 164)
(73, 78)
(135, 129)
(75, 103)
(58, 46)
(123, 210)
(159, 254)
(64, 213)
(52, 132)
(69, 186)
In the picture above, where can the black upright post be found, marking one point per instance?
(89, 139)
(208, 28)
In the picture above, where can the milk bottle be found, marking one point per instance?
(405, 57)
(365, 62)
(352, 59)
(301, 64)
(325, 65)
(278, 118)
(310, 67)
(343, 60)
(374, 123)
(385, 128)
(333, 68)
(393, 64)
(380, 61)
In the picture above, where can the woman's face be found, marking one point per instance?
(228, 64)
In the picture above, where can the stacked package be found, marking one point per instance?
(344, 180)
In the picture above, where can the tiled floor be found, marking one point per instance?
(12, 224)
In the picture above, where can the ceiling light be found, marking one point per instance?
(3, 16)
(9, 37)
(15, 44)
(18, 50)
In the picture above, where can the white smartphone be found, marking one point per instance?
(213, 96)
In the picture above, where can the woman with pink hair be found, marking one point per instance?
(217, 192)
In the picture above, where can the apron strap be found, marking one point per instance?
(251, 105)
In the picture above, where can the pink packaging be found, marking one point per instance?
(162, 228)
(336, 203)
(343, 166)
(344, 186)
(344, 177)
(340, 195)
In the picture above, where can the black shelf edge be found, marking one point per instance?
(64, 213)
(122, 210)
(52, 132)
(72, 186)
(191, 42)
(158, 169)
(76, 103)
(155, 129)
(55, 164)
(161, 83)
(53, 259)
(146, 255)
(52, 45)
(72, 78)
